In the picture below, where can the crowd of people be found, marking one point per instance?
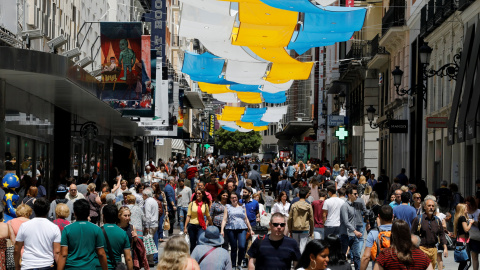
(234, 213)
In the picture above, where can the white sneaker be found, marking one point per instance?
(181, 233)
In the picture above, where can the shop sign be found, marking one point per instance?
(437, 122)
(336, 120)
(159, 141)
(398, 126)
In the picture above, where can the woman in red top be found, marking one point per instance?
(402, 254)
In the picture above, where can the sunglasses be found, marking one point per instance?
(278, 224)
(416, 198)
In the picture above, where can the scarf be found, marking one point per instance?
(201, 219)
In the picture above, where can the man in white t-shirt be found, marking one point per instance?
(40, 237)
(331, 212)
(340, 179)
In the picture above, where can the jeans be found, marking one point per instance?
(194, 232)
(158, 235)
(353, 243)
(182, 214)
(332, 230)
(319, 233)
(237, 240)
(302, 239)
(360, 239)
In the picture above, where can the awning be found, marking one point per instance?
(178, 146)
(337, 87)
(195, 100)
(294, 128)
(58, 81)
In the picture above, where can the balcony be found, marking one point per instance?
(434, 14)
(378, 53)
(395, 16)
(463, 4)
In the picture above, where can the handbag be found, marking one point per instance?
(166, 223)
(149, 244)
(116, 265)
(9, 259)
(460, 253)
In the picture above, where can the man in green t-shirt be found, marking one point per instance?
(117, 238)
(82, 243)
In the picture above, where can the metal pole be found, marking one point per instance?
(3, 89)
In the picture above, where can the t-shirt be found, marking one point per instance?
(192, 212)
(38, 236)
(460, 229)
(340, 180)
(252, 207)
(405, 212)
(82, 239)
(118, 242)
(373, 234)
(276, 255)
(61, 223)
(333, 205)
(318, 213)
(389, 260)
(212, 189)
(218, 259)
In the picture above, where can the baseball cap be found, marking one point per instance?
(61, 189)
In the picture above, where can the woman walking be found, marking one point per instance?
(282, 206)
(94, 202)
(402, 254)
(474, 233)
(136, 215)
(235, 224)
(195, 221)
(315, 256)
(461, 226)
(217, 212)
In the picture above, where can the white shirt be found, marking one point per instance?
(151, 213)
(38, 236)
(333, 205)
(340, 180)
(162, 175)
(280, 208)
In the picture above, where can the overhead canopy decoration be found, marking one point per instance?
(253, 114)
(209, 5)
(275, 98)
(250, 94)
(204, 67)
(245, 72)
(274, 114)
(226, 97)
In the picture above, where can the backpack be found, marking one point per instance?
(382, 242)
(160, 207)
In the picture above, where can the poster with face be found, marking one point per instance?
(125, 60)
(301, 151)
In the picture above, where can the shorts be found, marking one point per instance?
(474, 246)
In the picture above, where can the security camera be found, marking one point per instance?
(84, 62)
(56, 43)
(72, 53)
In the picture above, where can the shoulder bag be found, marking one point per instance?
(206, 254)
(116, 265)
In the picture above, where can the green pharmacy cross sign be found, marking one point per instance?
(341, 133)
(207, 146)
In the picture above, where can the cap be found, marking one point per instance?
(61, 189)
(127, 191)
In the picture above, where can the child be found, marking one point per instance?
(269, 200)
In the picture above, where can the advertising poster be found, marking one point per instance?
(301, 151)
(126, 85)
(153, 127)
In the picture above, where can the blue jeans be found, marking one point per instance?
(182, 214)
(237, 240)
(352, 242)
(194, 232)
(158, 235)
(332, 230)
(360, 239)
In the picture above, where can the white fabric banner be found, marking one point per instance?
(202, 24)
(226, 97)
(275, 88)
(245, 72)
(274, 114)
(225, 49)
(210, 5)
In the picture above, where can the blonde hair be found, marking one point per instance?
(123, 209)
(336, 167)
(91, 187)
(362, 180)
(367, 190)
(404, 188)
(301, 166)
(62, 210)
(175, 255)
(24, 210)
(130, 199)
(459, 211)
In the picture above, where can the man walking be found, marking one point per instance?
(429, 227)
(300, 220)
(116, 240)
(171, 202)
(386, 216)
(274, 251)
(348, 232)
(331, 212)
(405, 211)
(151, 217)
(86, 252)
(340, 179)
(381, 188)
(183, 194)
(398, 198)
(73, 194)
(41, 239)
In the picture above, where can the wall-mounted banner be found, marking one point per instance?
(126, 84)
(336, 120)
(211, 125)
(398, 126)
(437, 122)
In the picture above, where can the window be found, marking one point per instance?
(11, 150)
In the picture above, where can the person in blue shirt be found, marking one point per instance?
(403, 178)
(405, 211)
(171, 204)
(371, 181)
(251, 206)
(283, 185)
(385, 214)
(398, 198)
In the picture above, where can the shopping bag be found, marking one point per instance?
(149, 244)
(166, 223)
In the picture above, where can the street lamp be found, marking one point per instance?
(341, 98)
(449, 70)
(371, 116)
